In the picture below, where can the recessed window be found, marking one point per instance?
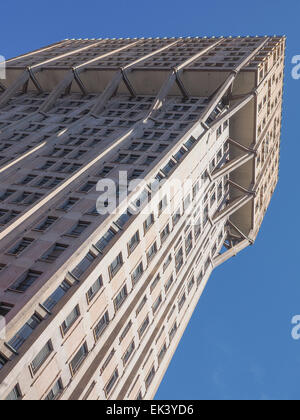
(162, 204)
(150, 377)
(94, 289)
(14, 395)
(81, 268)
(3, 361)
(115, 265)
(42, 356)
(162, 353)
(120, 298)
(101, 326)
(25, 281)
(125, 331)
(144, 326)
(78, 229)
(56, 390)
(68, 204)
(105, 239)
(5, 308)
(148, 222)
(181, 301)
(191, 284)
(78, 359)
(110, 384)
(169, 283)
(151, 252)
(179, 260)
(20, 246)
(19, 339)
(128, 352)
(133, 243)
(45, 224)
(154, 283)
(88, 186)
(54, 253)
(57, 296)
(70, 320)
(165, 233)
(156, 304)
(173, 332)
(137, 273)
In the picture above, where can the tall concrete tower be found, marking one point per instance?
(130, 169)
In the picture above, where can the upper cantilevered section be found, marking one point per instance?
(203, 109)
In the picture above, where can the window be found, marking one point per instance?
(144, 326)
(196, 189)
(169, 283)
(54, 253)
(191, 284)
(105, 239)
(168, 168)
(45, 224)
(81, 268)
(71, 318)
(27, 179)
(57, 296)
(18, 248)
(6, 194)
(94, 289)
(162, 353)
(155, 283)
(5, 308)
(101, 326)
(141, 305)
(187, 202)
(14, 395)
(133, 243)
(3, 361)
(79, 359)
(139, 397)
(88, 186)
(56, 390)
(128, 352)
(137, 273)
(173, 332)
(7, 216)
(115, 265)
(197, 228)
(162, 204)
(78, 229)
(151, 252)
(156, 304)
(120, 298)
(68, 204)
(167, 262)
(148, 222)
(189, 243)
(25, 281)
(150, 377)
(19, 339)
(110, 384)
(108, 360)
(179, 260)
(181, 301)
(165, 233)
(176, 217)
(125, 331)
(41, 357)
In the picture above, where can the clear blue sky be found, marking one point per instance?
(238, 344)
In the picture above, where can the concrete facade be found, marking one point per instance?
(95, 304)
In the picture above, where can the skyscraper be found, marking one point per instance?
(130, 169)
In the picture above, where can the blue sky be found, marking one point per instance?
(238, 344)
